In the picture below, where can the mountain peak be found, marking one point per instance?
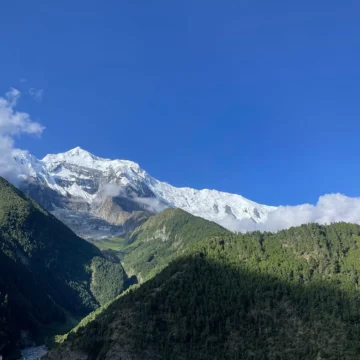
(78, 151)
(75, 153)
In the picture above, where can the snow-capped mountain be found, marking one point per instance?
(101, 197)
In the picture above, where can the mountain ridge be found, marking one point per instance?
(112, 190)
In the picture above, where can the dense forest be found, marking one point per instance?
(49, 277)
(289, 295)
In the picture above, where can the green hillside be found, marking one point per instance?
(114, 243)
(290, 295)
(162, 238)
(46, 271)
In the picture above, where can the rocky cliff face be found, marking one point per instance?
(99, 197)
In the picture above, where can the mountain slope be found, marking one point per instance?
(110, 194)
(46, 271)
(162, 238)
(290, 295)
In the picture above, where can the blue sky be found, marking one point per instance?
(255, 97)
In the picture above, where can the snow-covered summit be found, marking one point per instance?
(115, 189)
(76, 154)
(83, 158)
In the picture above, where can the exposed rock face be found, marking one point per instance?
(99, 197)
(117, 210)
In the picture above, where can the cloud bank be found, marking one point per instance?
(329, 208)
(12, 124)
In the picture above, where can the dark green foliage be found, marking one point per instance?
(32, 237)
(45, 269)
(108, 280)
(290, 295)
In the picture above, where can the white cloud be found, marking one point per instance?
(13, 123)
(329, 208)
(37, 94)
(152, 204)
(112, 189)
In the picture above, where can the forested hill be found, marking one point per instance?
(162, 238)
(46, 271)
(290, 295)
